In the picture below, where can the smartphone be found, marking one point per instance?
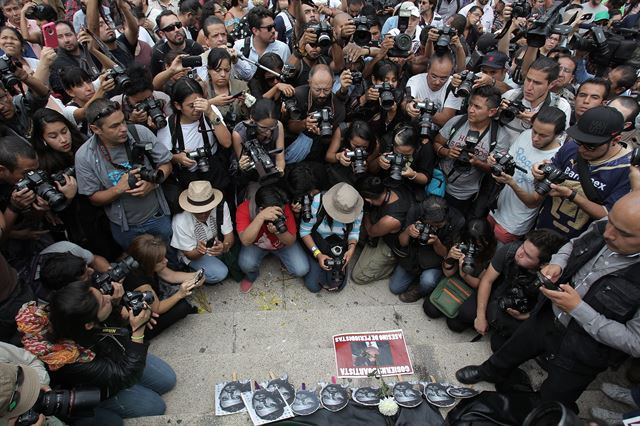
(50, 35)
(199, 275)
(586, 16)
(192, 61)
(237, 95)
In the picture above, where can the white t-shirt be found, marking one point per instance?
(184, 234)
(420, 90)
(511, 213)
(416, 39)
(517, 126)
(487, 14)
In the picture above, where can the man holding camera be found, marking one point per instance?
(120, 168)
(170, 28)
(592, 320)
(586, 177)
(535, 93)
(122, 48)
(464, 144)
(17, 108)
(262, 40)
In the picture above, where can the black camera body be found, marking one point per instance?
(292, 108)
(280, 224)
(362, 36)
(289, 73)
(118, 74)
(606, 47)
(515, 298)
(505, 164)
(470, 250)
(552, 174)
(38, 182)
(261, 160)
(201, 157)
(39, 11)
(135, 300)
(356, 78)
(325, 121)
(153, 107)
(59, 177)
(444, 39)
(336, 263)
(397, 162)
(402, 46)
(508, 114)
(520, 9)
(468, 79)
(426, 230)
(62, 402)
(305, 212)
(428, 109)
(543, 281)
(8, 66)
(139, 151)
(358, 158)
(324, 33)
(119, 271)
(386, 97)
(470, 143)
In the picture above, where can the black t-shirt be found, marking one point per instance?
(137, 279)
(124, 52)
(160, 50)
(397, 209)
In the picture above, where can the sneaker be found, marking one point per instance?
(245, 285)
(412, 295)
(618, 393)
(612, 418)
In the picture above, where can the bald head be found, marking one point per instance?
(320, 83)
(622, 233)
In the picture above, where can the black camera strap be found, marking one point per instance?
(493, 128)
(177, 138)
(325, 246)
(586, 182)
(136, 137)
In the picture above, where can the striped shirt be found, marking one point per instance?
(324, 230)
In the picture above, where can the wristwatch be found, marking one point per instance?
(299, 54)
(572, 196)
(217, 120)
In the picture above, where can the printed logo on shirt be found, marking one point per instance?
(115, 175)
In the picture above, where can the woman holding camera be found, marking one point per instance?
(268, 85)
(352, 150)
(225, 92)
(331, 235)
(153, 275)
(73, 337)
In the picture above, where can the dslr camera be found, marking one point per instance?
(358, 158)
(427, 109)
(305, 201)
(362, 36)
(291, 106)
(153, 107)
(386, 97)
(505, 164)
(444, 39)
(139, 152)
(397, 162)
(119, 271)
(515, 298)
(280, 224)
(288, 74)
(336, 263)
(324, 32)
(8, 66)
(520, 9)
(470, 250)
(325, 121)
(135, 300)
(59, 177)
(38, 181)
(552, 174)
(468, 78)
(118, 74)
(402, 43)
(426, 231)
(470, 143)
(201, 157)
(508, 114)
(62, 402)
(39, 11)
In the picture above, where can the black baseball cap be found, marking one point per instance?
(497, 60)
(597, 126)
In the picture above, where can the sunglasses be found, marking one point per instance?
(590, 147)
(15, 396)
(172, 27)
(268, 27)
(107, 111)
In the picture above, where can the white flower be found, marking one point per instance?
(388, 406)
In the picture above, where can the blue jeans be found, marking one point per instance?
(317, 276)
(293, 258)
(298, 150)
(401, 280)
(158, 226)
(143, 399)
(214, 269)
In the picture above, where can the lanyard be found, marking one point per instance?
(107, 156)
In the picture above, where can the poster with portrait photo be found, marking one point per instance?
(266, 406)
(407, 394)
(306, 403)
(286, 389)
(228, 399)
(461, 392)
(436, 394)
(360, 354)
(367, 396)
(334, 397)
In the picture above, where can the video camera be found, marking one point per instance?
(116, 273)
(139, 152)
(468, 79)
(362, 35)
(202, 159)
(59, 177)
(427, 109)
(520, 9)
(549, 23)
(153, 107)
(505, 164)
(606, 47)
(8, 66)
(358, 158)
(552, 174)
(509, 114)
(397, 162)
(64, 403)
(135, 300)
(325, 121)
(386, 96)
(119, 76)
(38, 181)
(261, 159)
(324, 33)
(425, 230)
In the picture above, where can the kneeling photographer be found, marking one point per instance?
(331, 236)
(80, 338)
(353, 152)
(463, 145)
(508, 290)
(259, 145)
(197, 138)
(421, 247)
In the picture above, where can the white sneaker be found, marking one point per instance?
(618, 393)
(612, 418)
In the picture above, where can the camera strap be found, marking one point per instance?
(177, 138)
(586, 182)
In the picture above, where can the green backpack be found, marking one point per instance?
(450, 294)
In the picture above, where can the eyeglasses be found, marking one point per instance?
(172, 27)
(268, 27)
(107, 111)
(267, 129)
(15, 396)
(590, 147)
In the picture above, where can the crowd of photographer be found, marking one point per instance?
(482, 156)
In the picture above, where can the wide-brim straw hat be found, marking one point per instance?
(200, 197)
(343, 203)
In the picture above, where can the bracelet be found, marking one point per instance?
(438, 150)
(572, 196)
(368, 51)
(316, 252)
(415, 174)
(137, 338)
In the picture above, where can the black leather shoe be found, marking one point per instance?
(470, 375)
